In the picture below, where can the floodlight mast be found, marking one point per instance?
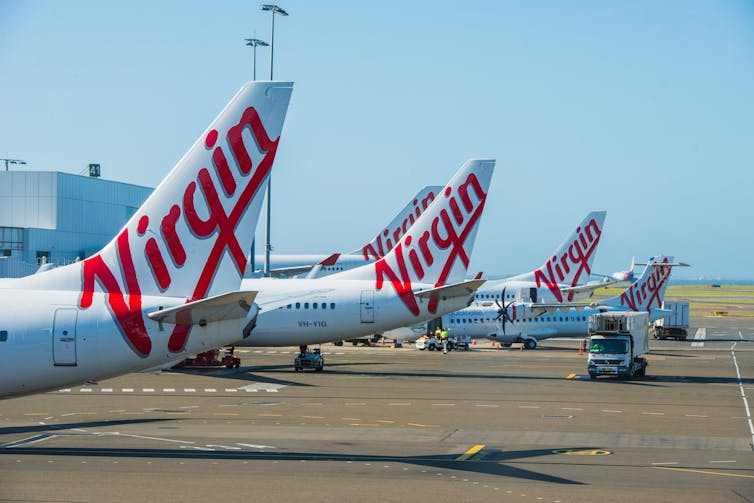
(12, 161)
(254, 42)
(274, 9)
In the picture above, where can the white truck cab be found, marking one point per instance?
(616, 342)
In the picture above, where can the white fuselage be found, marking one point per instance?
(50, 342)
(277, 261)
(345, 309)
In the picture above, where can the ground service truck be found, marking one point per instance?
(617, 341)
(674, 324)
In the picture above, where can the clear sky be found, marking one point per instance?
(643, 108)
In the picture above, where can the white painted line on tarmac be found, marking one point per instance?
(666, 463)
(724, 461)
(210, 390)
(701, 334)
(147, 390)
(251, 390)
(272, 390)
(189, 390)
(743, 394)
(86, 390)
(443, 405)
(231, 390)
(168, 390)
(570, 408)
(107, 390)
(529, 407)
(67, 390)
(127, 390)
(486, 405)
(613, 411)
(654, 413)
(695, 415)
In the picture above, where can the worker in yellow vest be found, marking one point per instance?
(444, 340)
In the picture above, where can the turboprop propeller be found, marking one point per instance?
(502, 311)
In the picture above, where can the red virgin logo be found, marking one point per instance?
(644, 293)
(124, 300)
(385, 240)
(575, 259)
(444, 240)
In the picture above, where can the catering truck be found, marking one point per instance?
(617, 341)
(674, 324)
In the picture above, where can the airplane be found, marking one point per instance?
(167, 285)
(317, 266)
(421, 277)
(557, 280)
(625, 275)
(530, 322)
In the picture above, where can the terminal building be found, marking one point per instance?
(58, 218)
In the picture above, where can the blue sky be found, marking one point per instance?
(642, 108)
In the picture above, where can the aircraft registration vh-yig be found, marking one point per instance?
(182, 255)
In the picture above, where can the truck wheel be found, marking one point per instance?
(355, 343)
(338, 343)
(592, 376)
(298, 369)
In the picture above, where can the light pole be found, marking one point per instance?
(12, 161)
(254, 42)
(268, 246)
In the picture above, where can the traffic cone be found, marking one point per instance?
(522, 347)
(473, 342)
(382, 341)
(581, 346)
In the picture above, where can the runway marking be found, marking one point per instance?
(226, 414)
(210, 390)
(722, 474)
(743, 394)
(466, 455)
(613, 411)
(583, 452)
(667, 463)
(127, 390)
(695, 415)
(270, 415)
(570, 408)
(66, 390)
(168, 390)
(85, 390)
(424, 425)
(400, 403)
(385, 421)
(654, 413)
(351, 418)
(189, 390)
(701, 334)
(255, 446)
(529, 407)
(313, 417)
(725, 461)
(107, 390)
(443, 405)
(486, 405)
(147, 390)
(37, 413)
(231, 390)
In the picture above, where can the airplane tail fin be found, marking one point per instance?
(648, 292)
(436, 249)
(384, 241)
(572, 260)
(191, 236)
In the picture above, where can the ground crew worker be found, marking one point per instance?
(444, 340)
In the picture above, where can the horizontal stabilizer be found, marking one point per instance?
(454, 290)
(227, 306)
(589, 287)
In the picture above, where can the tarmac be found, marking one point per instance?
(384, 424)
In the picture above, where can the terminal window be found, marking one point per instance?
(11, 238)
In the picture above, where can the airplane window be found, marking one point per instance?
(324, 305)
(288, 306)
(306, 305)
(298, 305)
(314, 305)
(3, 335)
(332, 305)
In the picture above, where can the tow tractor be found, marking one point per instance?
(309, 360)
(210, 359)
